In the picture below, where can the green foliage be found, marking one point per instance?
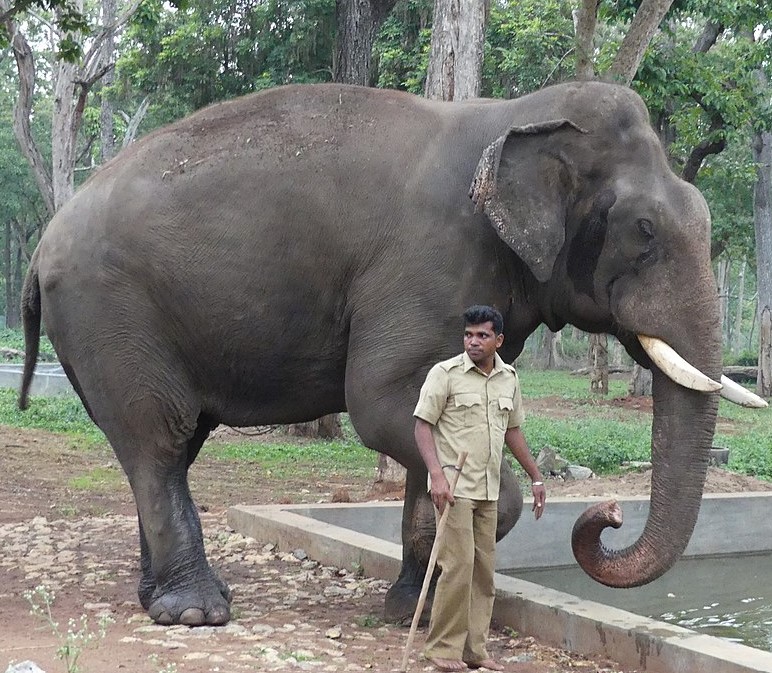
(529, 44)
(601, 444)
(211, 51)
(14, 338)
(401, 49)
(63, 413)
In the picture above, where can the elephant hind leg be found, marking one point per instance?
(151, 416)
(208, 601)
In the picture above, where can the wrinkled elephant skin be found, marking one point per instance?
(309, 250)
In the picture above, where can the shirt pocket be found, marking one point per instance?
(468, 407)
(504, 407)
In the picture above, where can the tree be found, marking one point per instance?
(21, 209)
(456, 58)
(358, 22)
(762, 150)
(72, 83)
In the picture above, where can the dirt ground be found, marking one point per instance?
(289, 614)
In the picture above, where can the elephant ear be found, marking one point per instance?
(522, 183)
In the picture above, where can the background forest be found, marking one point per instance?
(79, 79)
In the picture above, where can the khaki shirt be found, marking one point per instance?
(471, 412)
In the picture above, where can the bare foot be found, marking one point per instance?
(448, 664)
(490, 664)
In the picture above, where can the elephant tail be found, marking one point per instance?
(30, 316)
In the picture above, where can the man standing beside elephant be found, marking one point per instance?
(470, 403)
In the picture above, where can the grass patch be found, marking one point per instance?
(14, 338)
(557, 383)
(287, 459)
(64, 414)
(99, 479)
(594, 434)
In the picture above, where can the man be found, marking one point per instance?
(470, 403)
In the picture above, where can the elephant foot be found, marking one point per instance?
(203, 604)
(401, 603)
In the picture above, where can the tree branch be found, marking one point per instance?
(25, 66)
(633, 47)
(707, 147)
(708, 37)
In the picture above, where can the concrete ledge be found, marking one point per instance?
(593, 629)
(324, 542)
(555, 617)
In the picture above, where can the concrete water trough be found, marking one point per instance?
(49, 379)
(367, 536)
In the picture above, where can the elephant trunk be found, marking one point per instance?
(682, 435)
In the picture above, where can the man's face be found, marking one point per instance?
(481, 343)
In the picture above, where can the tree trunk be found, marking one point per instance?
(106, 126)
(7, 273)
(599, 364)
(762, 216)
(326, 427)
(722, 282)
(640, 383)
(550, 354)
(585, 19)
(643, 28)
(737, 334)
(22, 112)
(456, 56)
(389, 470)
(358, 22)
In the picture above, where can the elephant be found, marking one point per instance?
(309, 249)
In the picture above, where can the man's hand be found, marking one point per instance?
(539, 499)
(441, 491)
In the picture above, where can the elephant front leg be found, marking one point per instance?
(418, 530)
(178, 586)
(418, 526)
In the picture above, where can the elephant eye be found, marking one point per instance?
(646, 228)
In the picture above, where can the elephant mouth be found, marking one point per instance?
(680, 371)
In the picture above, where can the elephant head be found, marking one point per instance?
(617, 243)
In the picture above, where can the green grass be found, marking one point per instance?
(99, 479)
(63, 413)
(539, 383)
(283, 459)
(588, 432)
(14, 338)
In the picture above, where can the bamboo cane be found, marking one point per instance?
(432, 562)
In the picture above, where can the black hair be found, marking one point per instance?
(477, 315)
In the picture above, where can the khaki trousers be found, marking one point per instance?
(463, 599)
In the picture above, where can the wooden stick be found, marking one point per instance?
(432, 562)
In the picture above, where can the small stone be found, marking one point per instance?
(300, 554)
(24, 667)
(334, 633)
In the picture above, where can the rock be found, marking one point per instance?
(334, 633)
(550, 462)
(637, 465)
(300, 554)
(578, 473)
(24, 667)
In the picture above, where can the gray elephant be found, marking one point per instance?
(308, 250)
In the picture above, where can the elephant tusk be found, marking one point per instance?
(736, 393)
(675, 367)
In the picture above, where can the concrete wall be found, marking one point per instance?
(555, 617)
(743, 521)
(49, 379)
